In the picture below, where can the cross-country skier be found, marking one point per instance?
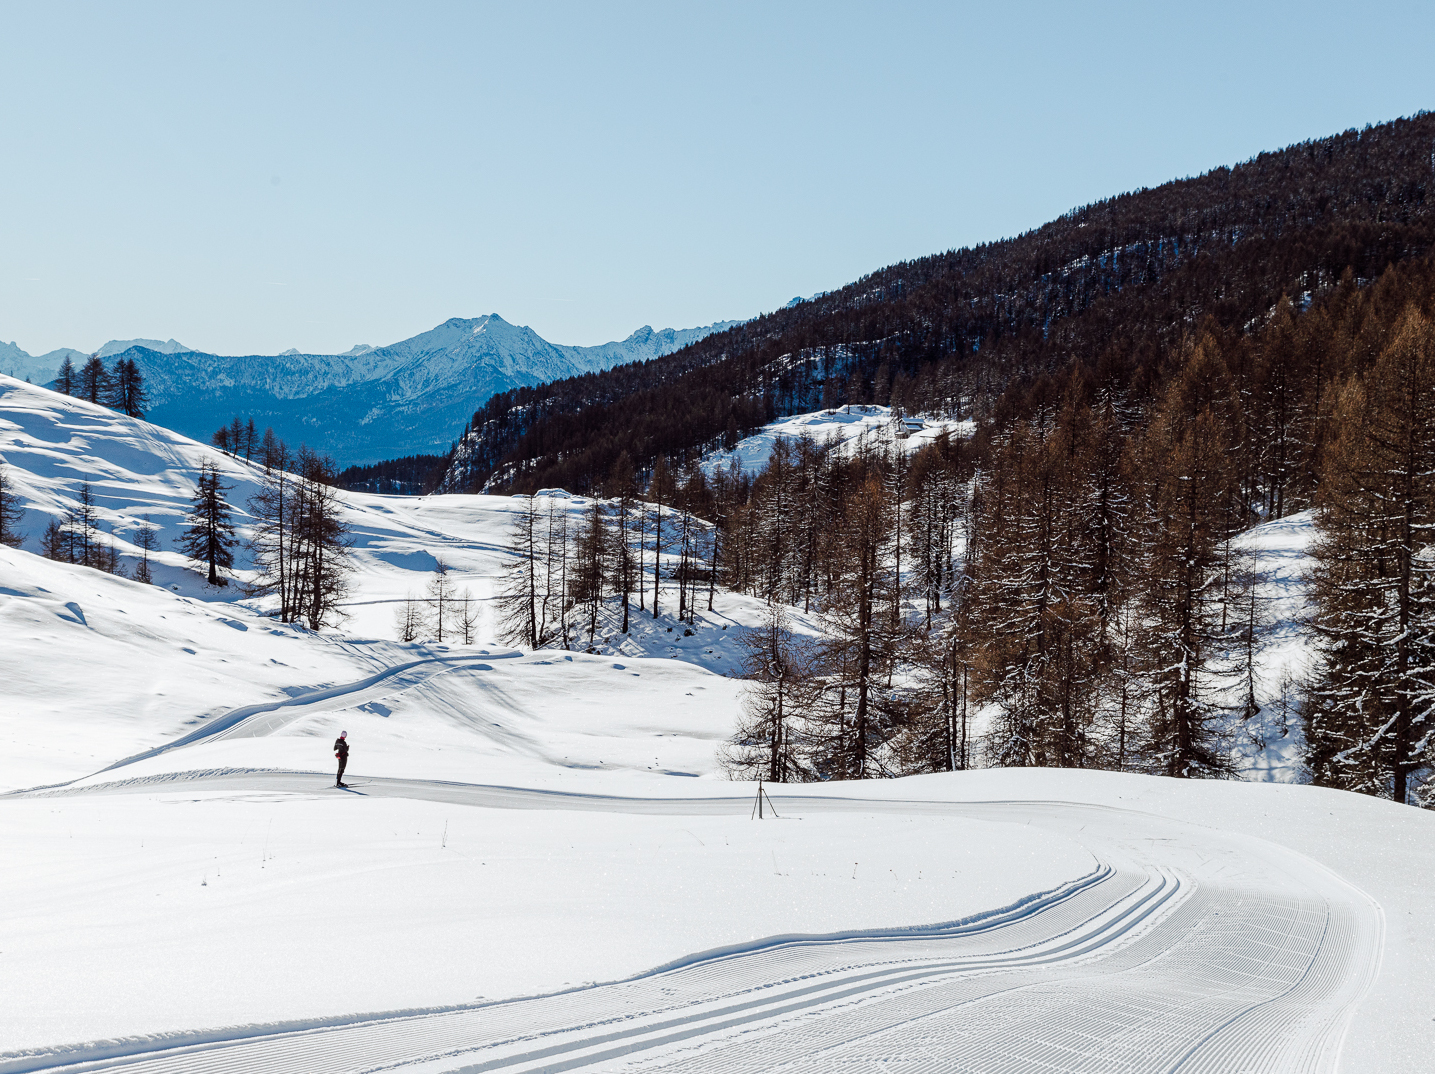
(341, 751)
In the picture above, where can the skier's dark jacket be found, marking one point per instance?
(341, 747)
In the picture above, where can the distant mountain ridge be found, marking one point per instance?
(42, 368)
(370, 404)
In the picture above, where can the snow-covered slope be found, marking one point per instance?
(199, 897)
(370, 403)
(841, 428)
(51, 443)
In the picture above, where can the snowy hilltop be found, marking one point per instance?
(368, 404)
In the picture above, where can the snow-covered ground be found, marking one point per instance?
(1023, 920)
(841, 429)
(100, 666)
(538, 866)
(1268, 745)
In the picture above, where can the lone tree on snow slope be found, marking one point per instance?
(210, 534)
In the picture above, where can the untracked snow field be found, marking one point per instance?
(538, 864)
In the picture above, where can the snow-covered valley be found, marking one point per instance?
(540, 865)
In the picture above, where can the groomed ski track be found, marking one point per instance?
(1188, 949)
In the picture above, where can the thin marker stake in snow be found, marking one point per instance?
(757, 805)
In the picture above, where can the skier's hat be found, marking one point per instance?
(343, 734)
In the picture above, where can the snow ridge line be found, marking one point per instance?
(1022, 908)
(97, 1055)
(230, 720)
(234, 717)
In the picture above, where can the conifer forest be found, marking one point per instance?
(1148, 378)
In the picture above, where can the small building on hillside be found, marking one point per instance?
(907, 426)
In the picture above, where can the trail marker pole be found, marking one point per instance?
(757, 805)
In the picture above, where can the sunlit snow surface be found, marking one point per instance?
(527, 824)
(162, 659)
(841, 429)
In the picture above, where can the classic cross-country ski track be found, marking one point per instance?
(1186, 949)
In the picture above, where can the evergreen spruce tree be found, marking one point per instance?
(209, 535)
(127, 392)
(67, 380)
(94, 380)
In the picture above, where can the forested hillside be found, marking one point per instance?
(1068, 587)
(1114, 285)
(1149, 378)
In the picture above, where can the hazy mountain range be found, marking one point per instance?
(371, 403)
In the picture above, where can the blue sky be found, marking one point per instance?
(252, 177)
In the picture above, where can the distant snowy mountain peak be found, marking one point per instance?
(370, 403)
(119, 346)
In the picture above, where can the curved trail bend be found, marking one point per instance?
(1189, 949)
